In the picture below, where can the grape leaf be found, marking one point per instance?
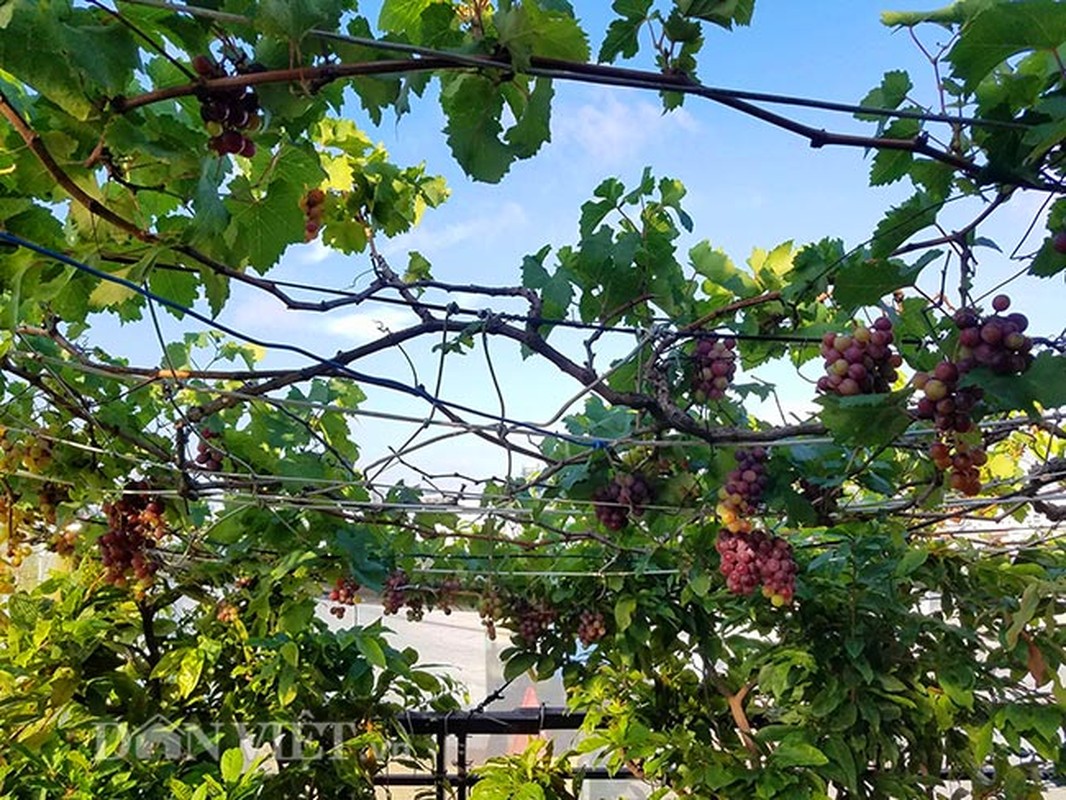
(870, 420)
(1048, 261)
(398, 16)
(473, 106)
(621, 38)
(527, 30)
(891, 165)
(893, 90)
(865, 282)
(533, 127)
(1004, 30)
(1043, 385)
(902, 222)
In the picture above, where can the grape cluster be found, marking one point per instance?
(490, 609)
(860, 363)
(343, 594)
(950, 407)
(997, 342)
(757, 558)
(397, 593)
(227, 113)
(208, 457)
(534, 619)
(743, 489)
(134, 526)
(227, 612)
(591, 627)
(313, 204)
(626, 494)
(714, 365)
(448, 595)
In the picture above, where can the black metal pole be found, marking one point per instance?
(441, 777)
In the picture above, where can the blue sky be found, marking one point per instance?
(750, 185)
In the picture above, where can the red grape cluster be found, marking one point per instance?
(860, 363)
(964, 460)
(715, 364)
(134, 526)
(950, 407)
(208, 457)
(227, 112)
(534, 619)
(313, 204)
(490, 609)
(591, 627)
(743, 489)
(227, 612)
(757, 558)
(448, 595)
(343, 594)
(626, 494)
(997, 342)
(396, 594)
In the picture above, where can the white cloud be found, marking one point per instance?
(313, 252)
(366, 326)
(613, 131)
(428, 239)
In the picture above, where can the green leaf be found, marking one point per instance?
(190, 670)
(294, 18)
(864, 283)
(720, 271)
(891, 165)
(473, 105)
(371, 649)
(178, 286)
(902, 222)
(794, 752)
(1003, 30)
(533, 127)
(623, 612)
(911, 561)
(621, 38)
(527, 30)
(231, 765)
(515, 666)
(1048, 261)
(1042, 386)
(873, 420)
(890, 94)
(400, 16)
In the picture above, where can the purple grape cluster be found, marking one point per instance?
(757, 558)
(627, 493)
(448, 594)
(490, 609)
(227, 112)
(134, 525)
(997, 342)
(860, 363)
(397, 593)
(714, 365)
(591, 627)
(208, 456)
(534, 619)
